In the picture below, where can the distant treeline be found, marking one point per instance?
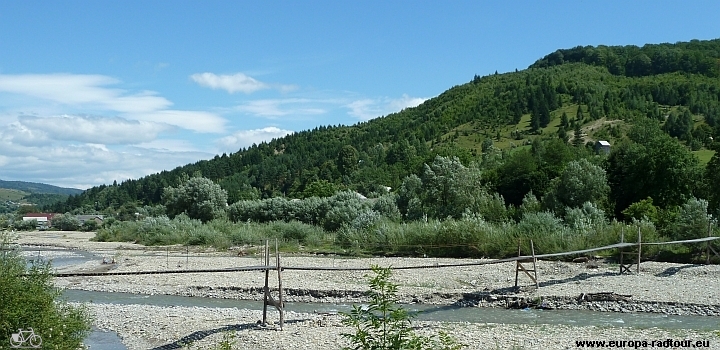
(694, 57)
(34, 187)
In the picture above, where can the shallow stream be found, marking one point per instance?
(445, 313)
(110, 340)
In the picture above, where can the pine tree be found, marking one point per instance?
(562, 134)
(535, 120)
(544, 115)
(564, 120)
(577, 137)
(579, 117)
(517, 112)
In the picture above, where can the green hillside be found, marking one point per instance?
(16, 193)
(575, 96)
(7, 194)
(34, 187)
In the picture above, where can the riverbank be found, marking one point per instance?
(152, 327)
(659, 288)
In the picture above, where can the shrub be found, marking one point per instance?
(90, 225)
(28, 299)
(642, 209)
(198, 197)
(387, 206)
(66, 222)
(385, 325)
(491, 207)
(693, 220)
(344, 208)
(586, 219)
(25, 225)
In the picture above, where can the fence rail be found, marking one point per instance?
(338, 268)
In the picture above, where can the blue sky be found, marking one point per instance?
(96, 91)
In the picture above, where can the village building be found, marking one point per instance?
(97, 218)
(44, 220)
(602, 147)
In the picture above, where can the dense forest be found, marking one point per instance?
(561, 96)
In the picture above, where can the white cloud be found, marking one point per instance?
(230, 83)
(236, 82)
(88, 90)
(405, 101)
(86, 165)
(91, 129)
(172, 145)
(90, 94)
(366, 109)
(198, 121)
(285, 88)
(280, 107)
(17, 133)
(245, 138)
(79, 131)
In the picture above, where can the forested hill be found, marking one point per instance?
(564, 101)
(694, 57)
(39, 188)
(14, 194)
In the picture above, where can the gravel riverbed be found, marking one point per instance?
(659, 288)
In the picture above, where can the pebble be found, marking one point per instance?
(679, 289)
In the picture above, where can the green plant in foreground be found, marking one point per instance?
(227, 342)
(385, 325)
(28, 299)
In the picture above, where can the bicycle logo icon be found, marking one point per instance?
(25, 339)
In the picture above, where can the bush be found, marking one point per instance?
(387, 206)
(66, 222)
(28, 299)
(693, 220)
(197, 197)
(385, 325)
(25, 225)
(90, 225)
(586, 219)
(345, 207)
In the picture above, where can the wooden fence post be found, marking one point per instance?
(519, 266)
(266, 289)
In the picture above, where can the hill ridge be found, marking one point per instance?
(37, 187)
(553, 98)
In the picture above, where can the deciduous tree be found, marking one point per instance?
(198, 197)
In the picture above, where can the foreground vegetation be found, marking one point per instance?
(383, 324)
(28, 299)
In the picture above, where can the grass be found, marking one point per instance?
(704, 155)
(471, 135)
(7, 194)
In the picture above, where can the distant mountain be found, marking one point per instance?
(38, 188)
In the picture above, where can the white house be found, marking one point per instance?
(43, 219)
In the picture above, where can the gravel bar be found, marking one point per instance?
(681, 289)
